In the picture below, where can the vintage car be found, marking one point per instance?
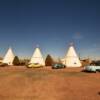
(3, 64)
(58, 66)
(34, 65)
(92, 68)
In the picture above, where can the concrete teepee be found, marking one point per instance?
(37, 57)
(71, 59)
(9, 57)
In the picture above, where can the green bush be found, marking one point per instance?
(16, 61)
(49, 61)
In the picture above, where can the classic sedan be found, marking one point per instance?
(92, 68)
(58, 66)
(34, 65)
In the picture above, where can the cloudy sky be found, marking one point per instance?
(52, 24)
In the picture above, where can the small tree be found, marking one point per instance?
(16, 61)
(49, 60)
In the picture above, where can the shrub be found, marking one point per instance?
(49, 60)
(16, 61)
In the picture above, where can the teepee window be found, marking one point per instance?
(75, 63)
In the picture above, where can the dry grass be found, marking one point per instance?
(20, 83)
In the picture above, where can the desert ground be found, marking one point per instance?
(21, 83)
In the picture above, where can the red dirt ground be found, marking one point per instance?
(21, 83)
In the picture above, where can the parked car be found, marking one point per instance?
(58, 66)
(34, 65)
(92, 68)
(3, 65)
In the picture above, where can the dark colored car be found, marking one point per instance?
(3, 65)
(58, 66)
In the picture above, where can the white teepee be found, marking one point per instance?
(9, 57)
(71, 59)
(37, 57)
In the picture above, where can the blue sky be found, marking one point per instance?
(52, 24)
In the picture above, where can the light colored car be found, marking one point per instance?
(92, 68)
(34, 65)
